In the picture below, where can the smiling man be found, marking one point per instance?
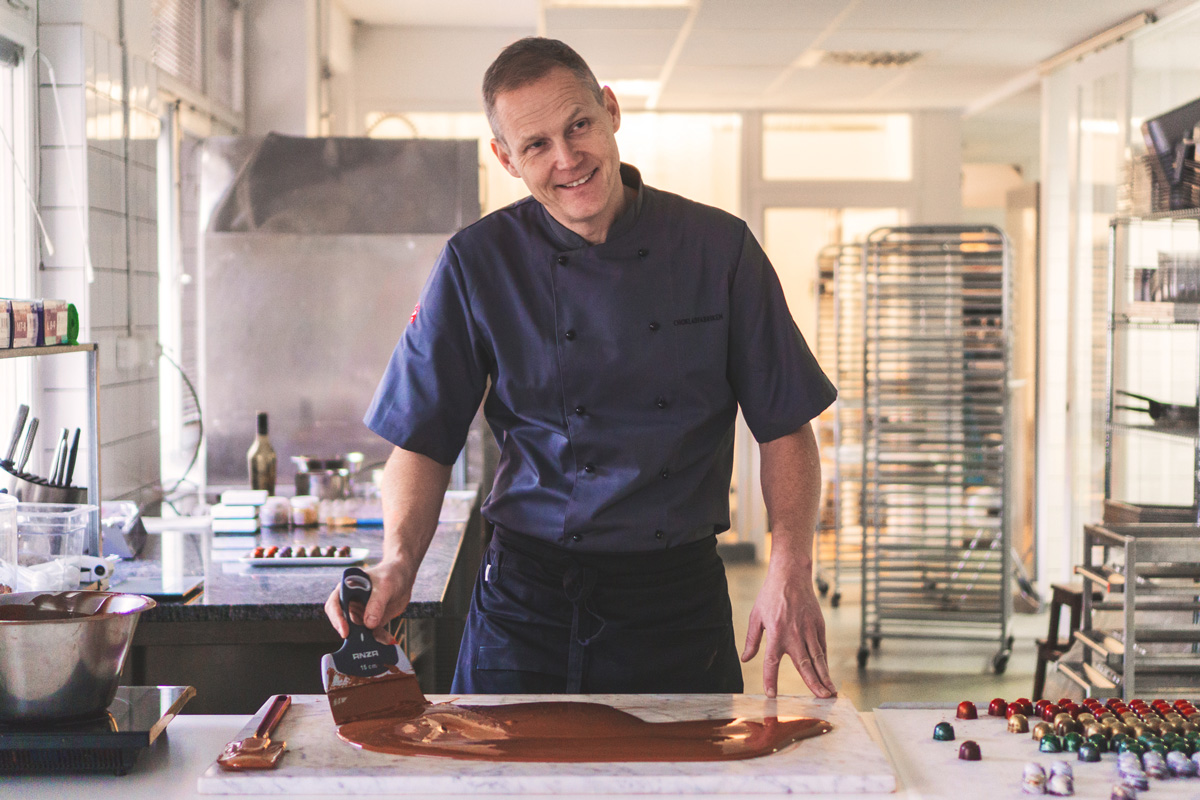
(619, 328)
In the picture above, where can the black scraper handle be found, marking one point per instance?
(361, 654)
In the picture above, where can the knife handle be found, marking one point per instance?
(18, 427)
(71, 458)
(28, 448)
(279, 706)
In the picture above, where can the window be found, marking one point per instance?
(13, 167)
(16, 262)
(837, 147)
(177, 30)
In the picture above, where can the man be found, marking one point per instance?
(620, 327)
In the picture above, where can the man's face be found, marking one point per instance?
(557, 138)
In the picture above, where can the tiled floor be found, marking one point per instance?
(902, 670)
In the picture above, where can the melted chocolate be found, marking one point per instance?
(16, 613)
(572, 732)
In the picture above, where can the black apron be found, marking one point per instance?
(547, 621)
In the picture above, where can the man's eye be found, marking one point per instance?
(534, 146)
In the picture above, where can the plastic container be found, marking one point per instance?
(275, 513)
(8, 543)
(304, 510)
(49, 545)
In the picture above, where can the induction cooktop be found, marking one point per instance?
(109, 742)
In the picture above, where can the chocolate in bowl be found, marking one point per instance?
(61, 653)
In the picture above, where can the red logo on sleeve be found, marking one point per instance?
(416, 310)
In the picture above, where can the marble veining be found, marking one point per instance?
(842, 761)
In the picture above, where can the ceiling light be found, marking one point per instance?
(809, 59)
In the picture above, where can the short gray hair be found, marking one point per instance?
(528, 60)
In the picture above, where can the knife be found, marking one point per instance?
(22, 413)
(28, 448)
(71, 458)
(60, 459)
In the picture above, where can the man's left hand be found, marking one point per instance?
(788, 615)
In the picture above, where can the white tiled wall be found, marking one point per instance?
(98, 191)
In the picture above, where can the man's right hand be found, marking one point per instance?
(391, 589)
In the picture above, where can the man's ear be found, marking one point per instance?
(505, 161)
(613, 108)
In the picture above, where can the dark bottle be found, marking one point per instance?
(261, 458)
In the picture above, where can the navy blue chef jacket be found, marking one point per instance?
(616, 369)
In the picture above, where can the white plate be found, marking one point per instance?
(357, 556)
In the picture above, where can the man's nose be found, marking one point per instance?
(565, 154)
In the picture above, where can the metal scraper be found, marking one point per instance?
(366, 679)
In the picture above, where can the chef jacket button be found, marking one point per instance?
(658, 534)
(562, 260)
(589, 467)
(575, 537)
(643, 252)
(653, 326)
(570, 334)
(580, 410)
(661, 402)
(666, 473)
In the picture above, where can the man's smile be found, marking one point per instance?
(579, 182)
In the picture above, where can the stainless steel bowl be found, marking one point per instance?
(61, 653)
(325, 484)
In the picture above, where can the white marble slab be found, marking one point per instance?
(845, 760)
(931, 769)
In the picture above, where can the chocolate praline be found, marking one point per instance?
(969, 751)
(1071, 742)
(1050, 744)
(1041, 729)
(1018, 723)
(1065, 726)
(967, 710)
(997, 707)
(943, 732)
(1089, 752)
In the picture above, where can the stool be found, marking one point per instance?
(1050, 648)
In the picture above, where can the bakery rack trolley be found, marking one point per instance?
(839, 351)
(936, 344)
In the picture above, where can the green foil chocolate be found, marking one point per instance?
(943, 732)
(1050, 743)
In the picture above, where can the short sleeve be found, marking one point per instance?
(437, 375)
(775, 377)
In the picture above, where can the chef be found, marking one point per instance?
(614, 329)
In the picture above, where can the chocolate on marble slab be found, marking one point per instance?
(1060, 785)
(943, 732)
(1050, 744)
(969, 751)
